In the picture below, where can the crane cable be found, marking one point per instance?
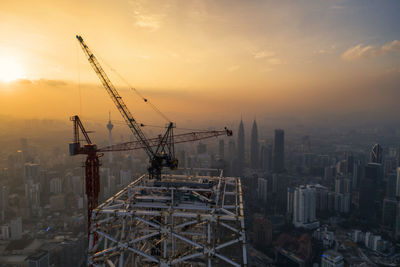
(136, 91)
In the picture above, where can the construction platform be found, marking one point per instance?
(181, 220)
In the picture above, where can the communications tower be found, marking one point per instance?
(110, 126)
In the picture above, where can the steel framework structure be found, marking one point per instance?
(180, 220)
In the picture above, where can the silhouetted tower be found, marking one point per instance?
(241, 143)
(376, 154)
(110, 126)
(279, 151)
(254, 159)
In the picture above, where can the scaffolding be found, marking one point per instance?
(180, 220)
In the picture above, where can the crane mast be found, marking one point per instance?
(164, 155)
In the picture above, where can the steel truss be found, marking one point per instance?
(179, 221)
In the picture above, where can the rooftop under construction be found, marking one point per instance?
(178, 221)
(191, 219)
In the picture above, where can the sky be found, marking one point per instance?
(202, 60)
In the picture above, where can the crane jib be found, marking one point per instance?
(117, 99)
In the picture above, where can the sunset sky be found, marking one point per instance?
(202, 59)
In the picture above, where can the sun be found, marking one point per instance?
(10, 69)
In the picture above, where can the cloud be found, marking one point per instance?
(263, 54)
(147, 17)
(152, 22)
(360, 51)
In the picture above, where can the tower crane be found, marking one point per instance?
(92, 163)
(160, 150)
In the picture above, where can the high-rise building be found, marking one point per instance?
(240, 150)
(3, 202)
(40, 258)
(110, 126)
(376, 154)
(266, 158)
(16, 229)
(262, 189)
(31, 171)
(254, 159)
(304, 207)
(279, 151)
(201, 148)
(332, 258)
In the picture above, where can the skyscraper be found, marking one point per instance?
(241, 142)
(110, 126)
(304, 207)
(254, 159)
(376, 154)
(266, 157)
(279, 151)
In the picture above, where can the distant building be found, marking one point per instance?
(279, 151)
(389, 213)
(221, 149)
(5, 232)
(254, 151)
(240, 148)
(266, 158)
(55, 186)
(3, 202)
(262, 229)
(376, 154)
(31, 171)
(332, 258)
(304, 207)
(262, 189)
(16, 228)
(39, 259)
(201, 148)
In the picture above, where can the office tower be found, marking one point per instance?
(221, 149)
(241, 142)
(389, 213)
(376, 154)
(266, 158)
(304, 207)
(16, 229)
(254, 161)
(279, 152)
(31, 172)
(55, 186)
(110, 126)
(370, 190)
(332, 258)
(40, 258)
(262, 189)
(3, 202)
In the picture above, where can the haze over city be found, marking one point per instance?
(199, 133)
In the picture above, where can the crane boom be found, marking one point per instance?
(179, 138)
(117, 99)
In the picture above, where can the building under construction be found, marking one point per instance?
(160, 219)
(182, 220)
